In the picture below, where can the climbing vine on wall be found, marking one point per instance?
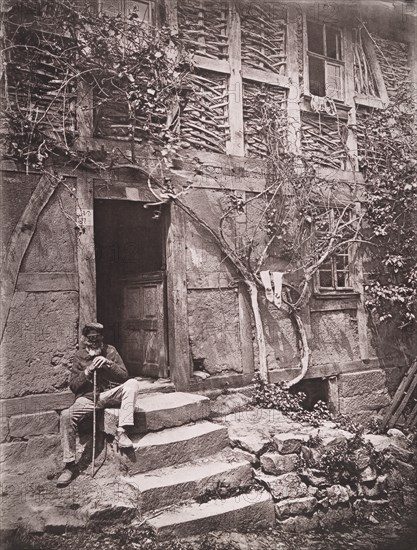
(390, 166)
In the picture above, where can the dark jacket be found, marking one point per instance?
(108, 376)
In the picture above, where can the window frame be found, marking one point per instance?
(345, 252)
(341, 63)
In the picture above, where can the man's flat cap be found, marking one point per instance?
(92, 327)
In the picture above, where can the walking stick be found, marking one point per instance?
(94, 421)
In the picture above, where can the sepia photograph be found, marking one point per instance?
(209, 275)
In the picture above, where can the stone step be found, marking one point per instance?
(254, 510)
(156, 450)
(162, 488)
(156, 411)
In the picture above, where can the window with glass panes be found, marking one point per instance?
(325, 62)
(333, 274)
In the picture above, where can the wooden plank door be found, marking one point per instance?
(142, 325)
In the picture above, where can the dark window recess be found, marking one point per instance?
(316, 72)
(333, 43)
(315, 37)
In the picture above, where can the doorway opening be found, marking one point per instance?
(130, 279)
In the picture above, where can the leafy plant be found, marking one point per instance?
(274, 396)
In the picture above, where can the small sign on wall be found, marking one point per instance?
(85, 217)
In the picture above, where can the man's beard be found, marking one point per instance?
(93, 350)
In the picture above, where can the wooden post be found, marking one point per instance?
(351, 143)
(87, 309)
(376, 69)
(245, 329)
(178, 335)
(293, 106)
(236, 144)
(85, 119)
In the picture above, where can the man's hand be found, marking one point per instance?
(97, 363)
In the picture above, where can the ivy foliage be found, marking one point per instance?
(127, 65)
(274, 396)
(390, 167)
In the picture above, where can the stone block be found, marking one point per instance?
(245, 512)
(12, 452)
(335, 516)
(240, 454)
(277, 464)
(367, 402)
(368, 474)
(299, 524)
(27, 425)
(58, 524)
(175, 445)
(365, 507)
(337, 494)
(4, 429)
(361, 383)
(295, 507)
(289, 443)
(230, 403)
(407, 471)
(283, 486)
(42, 447)
(315, 477)
(161, 410)
(169, 486)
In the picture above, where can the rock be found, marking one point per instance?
(310, 455)
(253, 459)
(362, 458)
(43, 446)
(334, 516)
(315, 477)
(393, 432)
(324, 503)
(329, 442)
(40, 423)
(289, 443)
(57, 524)
(277, 464)
(4, 429)
(250, 435)
(407, 471)
(230, 403)
(394, 480)
(368, 474)
(295, 507)
(284, 486)
(365, 507)
(337, 494)
(385, 444)
(299, 524)
(11, 453)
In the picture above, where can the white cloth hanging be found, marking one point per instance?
(277, 280)
(266, 281)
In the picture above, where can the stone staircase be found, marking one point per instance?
(186, 477)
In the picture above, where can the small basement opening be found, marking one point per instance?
(316, 389)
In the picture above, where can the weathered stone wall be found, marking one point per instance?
(303, 468)
(41, 331)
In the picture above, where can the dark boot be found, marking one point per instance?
(67, 475)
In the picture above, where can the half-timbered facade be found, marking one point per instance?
(168, 299)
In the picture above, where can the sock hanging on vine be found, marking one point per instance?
(277, 280)
(266, 281)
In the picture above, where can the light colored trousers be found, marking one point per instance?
(123, 395)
